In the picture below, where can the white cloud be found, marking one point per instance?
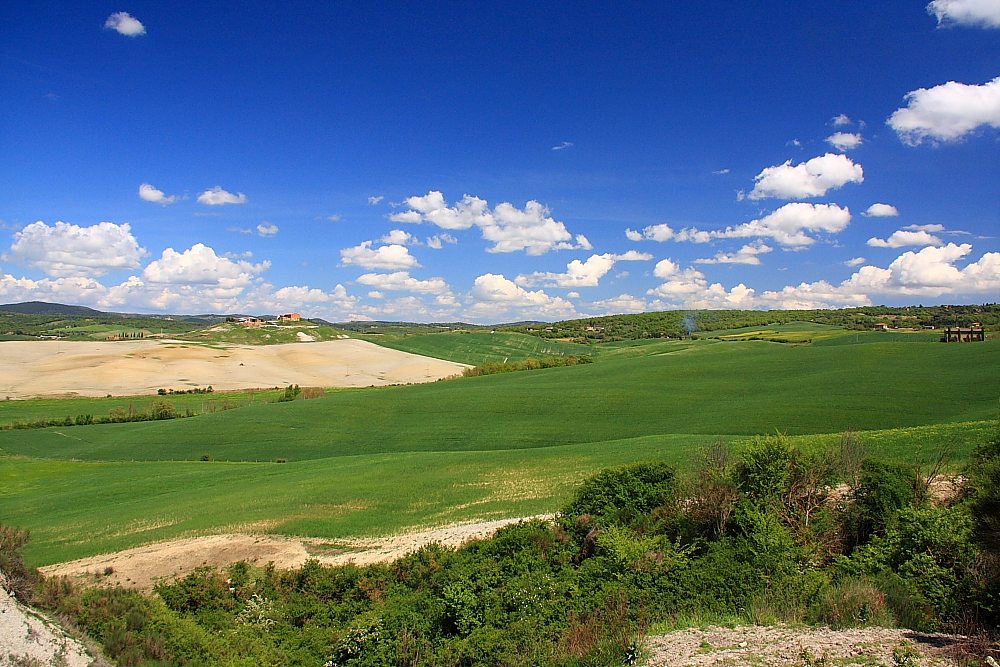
(509, 228)
(125, 24)
(401, 281)
(857, 261)
(745, 255)
(563, 146)
(151, 194)
(375, 200)
(985, 13)
(65, 250)
(199, 265)
(623, 303)
(375, 294)
(384, 257)
(240, 230)
(334, 218)
(721, 172)
(581, 274)
(664, 232)
(947, 112)
(572, 295)
(926, 228)
(399, 237)
(788, 225)
(845, 141)
(238, 255)
(266, 229)
(902, 238)
(438, 240)
(841, 120)
(495, 295)
(813, 178)
(217, 197)
(929, 273)
(881, 211)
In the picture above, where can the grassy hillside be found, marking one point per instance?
(711, 387)
(482, 346)
(77, 509)
(374, 461)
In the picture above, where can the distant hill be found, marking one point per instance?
(43, 308)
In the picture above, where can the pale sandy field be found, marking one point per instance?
(31, 369)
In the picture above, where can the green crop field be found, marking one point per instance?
(374, 461)
(482, 346)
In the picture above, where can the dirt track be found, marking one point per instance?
(60, 368)
(143, 566)
(767, 646)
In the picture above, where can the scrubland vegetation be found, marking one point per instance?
(762, 533)
(753, 481)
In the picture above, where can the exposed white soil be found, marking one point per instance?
(759, 646)
(131, 368)
(143, 566)
(29, 639)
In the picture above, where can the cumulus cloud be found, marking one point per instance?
(813, 178)
(438, 240)
(881, 211)
(495, 294)
(125, 24)
(947, 112)
(985, 13)
(69, 250)
(564, 145)
(789, 224)
(929, 273)
(375, 200)
(401, 281)
(581, 274)
(151, 194)
(845, 141)
(217, 197)
(399, 237)
(857, 261)
(390, 257)
(266, 229)
(902, 238)
(199, 265)
(664, 232)
(841, 120)
(748, 254)
(926, 228)
(621, 304)
(509, 228)
(375, 294)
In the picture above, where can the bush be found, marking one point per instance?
(18, 578)
(763, 471)
(623, 493)
(883, 489)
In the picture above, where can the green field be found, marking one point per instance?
(482, 346)
(378, 460)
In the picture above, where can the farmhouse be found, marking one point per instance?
(249, 321)
(290, 317)
(881, 326)
(960, 335)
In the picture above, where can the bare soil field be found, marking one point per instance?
(59, 368)
(766, 646)
(143, 566)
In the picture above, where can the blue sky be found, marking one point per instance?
(499, 161)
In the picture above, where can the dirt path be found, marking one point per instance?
(143, 566)
(765, 646)
(46, 368)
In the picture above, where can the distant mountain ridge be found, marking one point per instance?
(43, 308)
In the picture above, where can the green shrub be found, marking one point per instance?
(883, 489)
(763, 469)
(621, 494)
(18, 577)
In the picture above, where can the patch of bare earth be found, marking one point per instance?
(758, 646)
(29, 639)
(142, 567)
